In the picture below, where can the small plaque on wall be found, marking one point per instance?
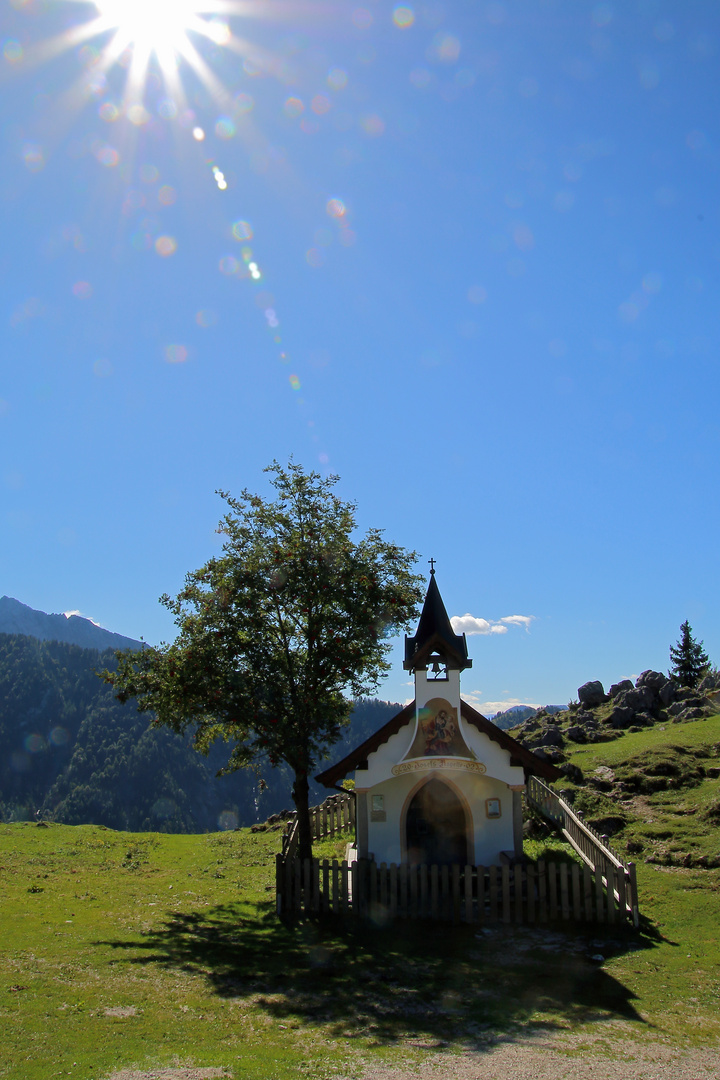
(377, 808)
(492, 808)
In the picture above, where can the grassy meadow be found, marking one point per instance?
(150, 950)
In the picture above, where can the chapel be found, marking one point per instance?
(439, 783)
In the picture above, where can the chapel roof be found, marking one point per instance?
(519, 754)
(435, 634)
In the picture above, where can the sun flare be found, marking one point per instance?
(150, 24)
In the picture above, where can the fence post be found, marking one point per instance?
(552, 882)
(542, 890)
(634, 894)
(518, 892)
(564, 898)
(530, 878)
(492, 876)
(456, 893)
(393, 890)
(468, 894)
(279, 883)
(505, 874)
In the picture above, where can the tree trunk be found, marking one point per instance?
(301, 797)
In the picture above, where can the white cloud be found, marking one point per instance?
(470, 624)
(67, 615)
(489, 708)
(519, 620)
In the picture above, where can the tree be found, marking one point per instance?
(279, 633)
(689, 659)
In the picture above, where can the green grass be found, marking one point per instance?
(150, 950)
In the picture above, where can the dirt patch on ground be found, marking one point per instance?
(566, 1059)
(170, 1074)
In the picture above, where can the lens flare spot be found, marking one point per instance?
(477, 294)
(225, 128)
(314, 257)
(294, 382)
(403, 17)
(167, 195)
(13, 51)
(35, 744)
(141, 240)
(59, 736)
(229, 265)
(107, 156)
(523, 237)
(166, 246)
(445, 48)
(83, 290)
(138, 115)
(362, 18)
(254, 269)
(176, 354)
(272, 319)
(198, 134)
(227, 820)
(242, 230)
(336, 208)
(320, 104)
(109, 112)
(149, 174)
(206, 318)
(219, 31)
(652, 283)
(347, 237)
(33, 157)
(337, 79)
(167, 109)
(372, 125)
(102, 368)
(244, 103)
(293, 107)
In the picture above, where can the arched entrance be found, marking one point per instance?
(435, 828)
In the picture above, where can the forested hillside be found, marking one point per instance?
(71, 752)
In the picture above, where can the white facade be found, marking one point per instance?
(438, 745)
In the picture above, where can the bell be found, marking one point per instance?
(436, 668)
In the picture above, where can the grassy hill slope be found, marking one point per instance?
(150, 949)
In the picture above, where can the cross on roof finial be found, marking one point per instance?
(432, 566)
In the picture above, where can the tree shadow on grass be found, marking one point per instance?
(438, 984)
(425, 981)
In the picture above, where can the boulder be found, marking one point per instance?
(667, 693)
(573, 772)
(591, 694)
(620, 687)
(641, 698)
(552, 736)
(621, 717)
(710, 682)
(655, 680)
(577, 734)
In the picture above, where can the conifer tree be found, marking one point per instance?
(689, 659)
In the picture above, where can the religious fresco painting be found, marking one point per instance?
(438, 732)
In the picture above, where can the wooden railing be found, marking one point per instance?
(335, 815)
(591, 846)
(521, 893)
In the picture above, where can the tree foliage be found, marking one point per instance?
(280, 632)
(689, 660)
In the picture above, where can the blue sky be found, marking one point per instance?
(486, 237)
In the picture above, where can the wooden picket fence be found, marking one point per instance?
(335, 815)
(592, 847)
(518, 893)
(602, 890)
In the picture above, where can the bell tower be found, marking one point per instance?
(436, 654)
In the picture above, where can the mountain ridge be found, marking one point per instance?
(19, 618)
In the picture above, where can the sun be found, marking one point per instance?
(149, 24)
